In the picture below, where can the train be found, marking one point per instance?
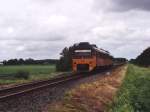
(88, 57)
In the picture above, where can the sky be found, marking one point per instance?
(40, 29)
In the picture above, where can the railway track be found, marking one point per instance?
(22, 89)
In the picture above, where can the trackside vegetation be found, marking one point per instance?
(134, 94)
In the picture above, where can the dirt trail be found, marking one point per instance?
(92, 97)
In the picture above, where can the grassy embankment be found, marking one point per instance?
(134, 94)
(35, 72)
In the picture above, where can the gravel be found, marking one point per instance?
(37, 100)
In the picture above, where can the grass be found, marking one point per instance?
(36, 72)
(33, 69)
(134, 94)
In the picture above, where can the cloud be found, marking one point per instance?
(121, 5)
(124, 5)
(42, 28)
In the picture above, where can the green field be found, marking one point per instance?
(134, 95)
(33, 69)
(36, 72)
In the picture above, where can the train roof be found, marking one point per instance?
(101, 50)
(87, 45)
(82, 45)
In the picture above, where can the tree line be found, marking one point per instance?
(120, 60)
(143, 59)
(29, 62)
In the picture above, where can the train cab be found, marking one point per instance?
(87, 57)
(83, 58)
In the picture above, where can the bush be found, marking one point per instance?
(22, 75)
(65, 61)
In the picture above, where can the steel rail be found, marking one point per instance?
(29, 87)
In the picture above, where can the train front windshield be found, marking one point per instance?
(82, 53)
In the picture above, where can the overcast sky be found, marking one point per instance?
(42, 28)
